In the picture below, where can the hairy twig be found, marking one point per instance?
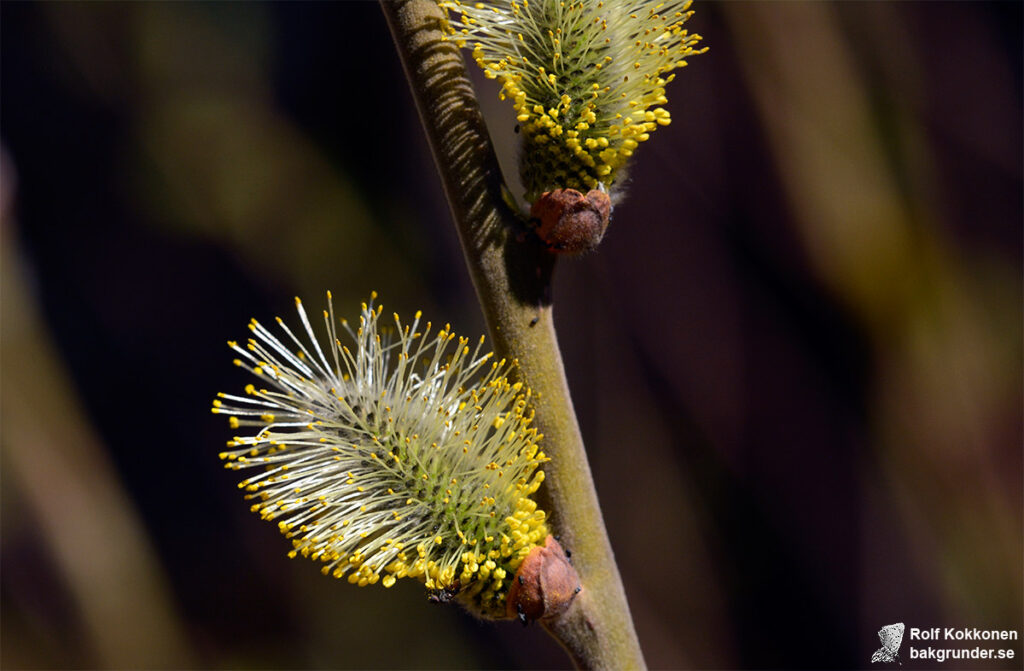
(512, 274)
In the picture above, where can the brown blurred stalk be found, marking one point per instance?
(947, 341)
(87, 520)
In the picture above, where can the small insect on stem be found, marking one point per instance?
(569, 222)
(445, 594)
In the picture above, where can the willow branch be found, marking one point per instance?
(512, 275)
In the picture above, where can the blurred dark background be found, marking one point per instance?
(796, 357)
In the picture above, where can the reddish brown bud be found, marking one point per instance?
(569, 222)
(545, 584)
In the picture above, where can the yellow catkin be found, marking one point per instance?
(398, 455)
(586, 79)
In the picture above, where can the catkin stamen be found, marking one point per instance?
(401, 453)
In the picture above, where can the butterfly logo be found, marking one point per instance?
(891, 636)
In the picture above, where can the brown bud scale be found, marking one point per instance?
(569, 222)
(545, 584)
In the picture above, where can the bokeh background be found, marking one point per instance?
(796, 357)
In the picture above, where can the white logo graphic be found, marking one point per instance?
(891, 636)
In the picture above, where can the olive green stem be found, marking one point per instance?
(511, 271)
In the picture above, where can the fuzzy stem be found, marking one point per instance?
(512, 276)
